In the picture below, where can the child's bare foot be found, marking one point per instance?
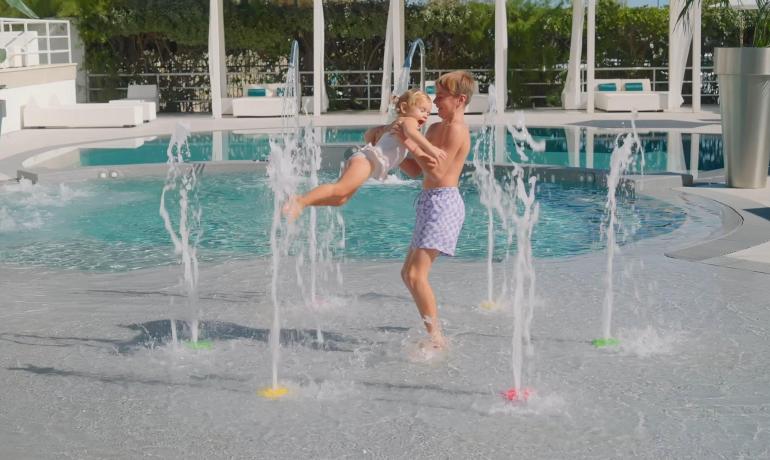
(292, 209)
(437, 341)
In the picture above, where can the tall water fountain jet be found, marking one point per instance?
(625, 147)
(283, 174)
(524, 213)
(490, 191)
(317, 250)
(403, 81)
(183, 178)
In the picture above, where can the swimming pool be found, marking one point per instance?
(665, 151)
(113, 225)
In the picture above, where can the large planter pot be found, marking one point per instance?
(744, 99)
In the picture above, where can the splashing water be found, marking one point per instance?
(626, 146)
(490, 191)
(522, 138)
(524, 213)
(283, 175)
(319, 246)
(186, 236)
(403, 80)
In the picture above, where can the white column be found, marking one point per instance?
(675, 153)
(591, 56)
(501, 55)
(696, 56)
(217, 70)
(220, 146)
(694, 154)
(570, 96)
(319, 85)
(572, 136)
(387, 64)
(397, 23)
(589, 146)
(679, 36)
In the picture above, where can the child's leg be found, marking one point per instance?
(357, 170)
(415, 273)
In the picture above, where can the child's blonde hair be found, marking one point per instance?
(410, 98)
(458, 83)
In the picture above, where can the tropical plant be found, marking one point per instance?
(754, 24)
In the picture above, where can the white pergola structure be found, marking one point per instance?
(395, 51)
(681, 35)
(218, 69)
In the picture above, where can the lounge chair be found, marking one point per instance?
(55, 115)
(145, 95)
(266, 100)
(625, 95)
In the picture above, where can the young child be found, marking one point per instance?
(440, 209)
(383, 153)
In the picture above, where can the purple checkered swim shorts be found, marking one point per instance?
(440, 216)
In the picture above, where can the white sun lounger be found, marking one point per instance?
(149, 111)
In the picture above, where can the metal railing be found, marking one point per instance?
(30, 42)
(361, 89)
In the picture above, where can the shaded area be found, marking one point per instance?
(156, 333)
(760, 212)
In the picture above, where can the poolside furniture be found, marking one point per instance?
(266, 100)
(260, 101)
(145, 95)
(149, 109)
(625, 95)
(54, 115)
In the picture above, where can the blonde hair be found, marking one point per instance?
(458, 83)
(411, 98)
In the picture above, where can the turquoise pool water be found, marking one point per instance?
(113, 225)
(255, 147)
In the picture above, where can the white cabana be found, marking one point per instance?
(393, 58)
(681, 36)
(218, 69)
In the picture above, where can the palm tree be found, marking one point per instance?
(758, 20)
(21, 6)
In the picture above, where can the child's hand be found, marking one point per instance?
(437, 155)
(397, 129)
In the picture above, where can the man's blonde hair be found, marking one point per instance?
(411, 98)
(458, 83)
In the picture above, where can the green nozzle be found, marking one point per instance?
(199, 345)
(608, 342)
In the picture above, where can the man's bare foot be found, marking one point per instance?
(292, 209)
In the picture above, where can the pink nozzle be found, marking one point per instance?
(513, 394)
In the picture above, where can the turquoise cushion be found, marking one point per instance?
(431, 89)
(280, 91)
(607, 87)
(633, 86)
(256, 92)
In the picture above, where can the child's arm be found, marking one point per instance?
(411, 131)
(372, 135)
(410, 167)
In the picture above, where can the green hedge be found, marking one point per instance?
(134, 36)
